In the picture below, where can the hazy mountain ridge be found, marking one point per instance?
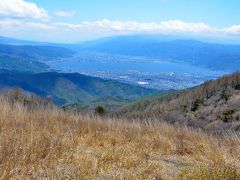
(22, 42)
(37, 53)
(30, 58)
(220, 57)
(210, 55)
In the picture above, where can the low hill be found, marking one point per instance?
(40, 141)
(74, 88)
(209, 55)
(213, 106)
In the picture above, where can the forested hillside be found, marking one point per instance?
(213, 106)
(75, 89)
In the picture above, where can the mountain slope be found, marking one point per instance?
(41, 141)
(20, 42)
(74, 88)
(30, 58)
(209, 55)
(37, 53)
(213, 106)
(21, 64)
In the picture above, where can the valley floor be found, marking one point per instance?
(48, 143)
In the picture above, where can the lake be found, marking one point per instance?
(152, 67)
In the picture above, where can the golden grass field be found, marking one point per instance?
(48, 143)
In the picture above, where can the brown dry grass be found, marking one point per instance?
(47, 143)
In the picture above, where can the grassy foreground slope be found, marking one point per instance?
(40, 141)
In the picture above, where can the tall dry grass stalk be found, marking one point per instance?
(48, 143)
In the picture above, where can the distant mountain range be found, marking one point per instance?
(213, 56)
(75, 88)
(220, 57)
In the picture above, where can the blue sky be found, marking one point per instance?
(81, 20)
(219, 13)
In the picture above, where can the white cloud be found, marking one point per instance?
(40, 26)
(132, 26)
(61, 13)
(180, 26)
(56, 31)
(22, 9)
(175, 26)
(233, 30)
(118, 27)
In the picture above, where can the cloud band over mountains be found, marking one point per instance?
(19, 17)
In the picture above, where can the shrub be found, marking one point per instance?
(237, 87)
(228, 115)
(65, 107)
(225, 95)
(100, 110)
(185, 108)
(196, 104)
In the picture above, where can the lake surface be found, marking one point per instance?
(154, 74)
(152, 67)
